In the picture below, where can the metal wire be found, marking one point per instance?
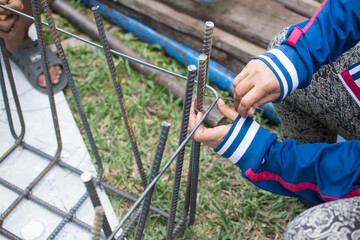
(99, 46)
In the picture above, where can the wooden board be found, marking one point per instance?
(243, 28)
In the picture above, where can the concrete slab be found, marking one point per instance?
(60, 187)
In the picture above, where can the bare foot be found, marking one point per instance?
(55, 71)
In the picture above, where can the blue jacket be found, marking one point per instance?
(317, 172)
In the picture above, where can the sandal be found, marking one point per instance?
(28, 58)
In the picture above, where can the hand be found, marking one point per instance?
(7, 18)
(211, 136)
(255, 85)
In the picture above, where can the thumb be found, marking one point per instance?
(227, 111)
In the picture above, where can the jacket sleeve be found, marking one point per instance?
(316, 172)
(333, 30)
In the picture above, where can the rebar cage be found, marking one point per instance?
(94, 183)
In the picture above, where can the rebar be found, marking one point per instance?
(98, 220)
(9, 234)
(97, 45)
(45, 205)
(41, 44)
(191, 74)
(165, 126)
(71, 83)
(117, 86)
(195, 156)
(68, 217)
(87, 179)
(168, 163)
(20, 137)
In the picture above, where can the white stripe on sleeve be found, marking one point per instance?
(278, 71)
(245, 143)
(289, 67)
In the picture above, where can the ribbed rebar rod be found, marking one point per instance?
(94, 197)
(17, 138)
(191, 74)
(41, 44)
(98, 221)
(165, 126)
(195, 158)
(8, 234)
(10, 76)
(99, 46)
(68, 217)
(168, 163)
(142, 212)
(102, 183)
(54, 114)
(117, 86)
(73, 88)
(45, 205)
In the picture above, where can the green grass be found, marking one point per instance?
(229, 207)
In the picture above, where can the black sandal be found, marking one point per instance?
(28, 58)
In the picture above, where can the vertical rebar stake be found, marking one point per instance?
(103, 39)
(87, 179)
(201, 83)
(66, 69)
(165, 126)
(98, 220)
(191, 74)
(56, 158)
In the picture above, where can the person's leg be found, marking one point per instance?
(332, 220)
(21, 37)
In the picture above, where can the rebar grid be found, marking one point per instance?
(55, 160)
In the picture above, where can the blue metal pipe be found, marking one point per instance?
(219, 75)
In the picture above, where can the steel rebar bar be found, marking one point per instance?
(119, 93)
(165, 126)
(98, 221)
(168, 163)
(180, 158)
(41, 44)
(73, 88)
(87, 179)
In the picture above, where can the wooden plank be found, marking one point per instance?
(256, 21)
(229, 50)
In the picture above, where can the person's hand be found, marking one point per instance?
(254, 86)
(7, 18)
(211, 136)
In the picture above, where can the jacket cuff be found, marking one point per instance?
(246, 143)
(286, 64)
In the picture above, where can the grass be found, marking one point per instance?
(229, 207)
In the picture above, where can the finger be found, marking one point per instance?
(242, 88)
(236, 105)
(192, 117)
(8, 23)
(227, 111)
(13, 4)
(7, 35)
(248, 101)
(241, 76)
